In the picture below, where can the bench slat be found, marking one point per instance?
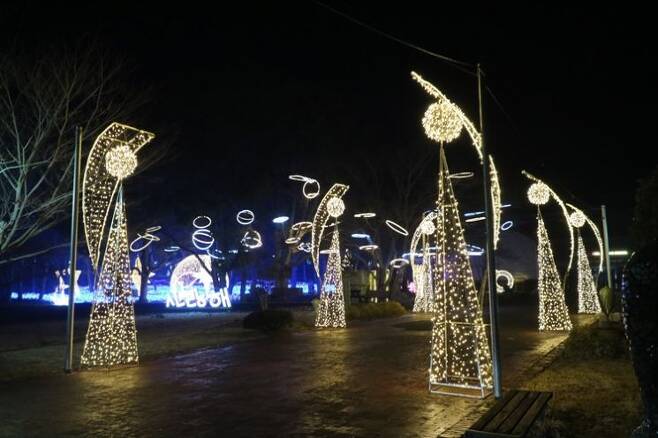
(509, 408)
(532, 413)
(513, 419)
(484, 419)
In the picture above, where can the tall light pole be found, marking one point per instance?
(606, 245)
(75, 210)
(491, 259)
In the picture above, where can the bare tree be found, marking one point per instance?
(42, 99)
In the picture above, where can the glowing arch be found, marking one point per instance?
(476, 140)
(565, 212)
(99, 186)
(320, 220)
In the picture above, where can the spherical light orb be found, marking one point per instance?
(441, 122)
(120, 161)
(335, 207)
(539, 193)
(427, 227)
(577, 219)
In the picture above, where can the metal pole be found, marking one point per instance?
(491, 259)
(606, 245)
(75, 207)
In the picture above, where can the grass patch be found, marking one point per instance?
(268, 320)
(595, 390)
(375, 310)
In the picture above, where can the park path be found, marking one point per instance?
(369, 380)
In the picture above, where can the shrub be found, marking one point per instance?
(592, 342)
(375, 310)
(268, 320)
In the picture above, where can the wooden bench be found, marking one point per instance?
(511, 416)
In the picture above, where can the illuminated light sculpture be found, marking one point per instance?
(588, 298)
(172, 248)
(292, 240)
(201, 222)
(111, 334)
(331, 309)
(311, 189)
(422, 274)
(540, 193)
(298, 178)
(251, 240)
(553, 312)
(506, 225)
(142, 241)
(280, 220)
(245, 217)
(461, 175)
(597, 235)
(335, 207)
(509, 278)
(460, 361)
(366, 215)
(190, 275)
(476, 140)
(321, 218)
(304, 246)
(396, 227)
(368, 247)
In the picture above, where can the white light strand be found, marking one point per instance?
(331, 310)
(553, 312)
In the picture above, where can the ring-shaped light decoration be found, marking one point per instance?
(252, 240)
(332, 224)
(304, 246)
(311, 189)
(366, 215)
(597, 234)
(99, 185)
(506, 225)
(565, 213)
(320, 220)
(301, 227)
(501, 273)
(476, 140)
(147, 238)
(396, 227)
(335, 207)
(398, 263)
(539, 193)
(369, 248)
(172, 248)
(577, 219)
(299, 178)
(441, 121)
(202, 239)
(292, 240)
(201, 222)
(245, 217)
(328, 251)
(461, 175)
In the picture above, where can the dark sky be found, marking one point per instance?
(254, 92)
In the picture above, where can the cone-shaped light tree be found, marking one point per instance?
(331, 310)
(553, 311)
(588, 298)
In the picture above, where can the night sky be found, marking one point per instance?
(245, 95)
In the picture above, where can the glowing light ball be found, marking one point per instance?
(427, 227)
(120, 161)
(539, 193)
(577, 219)
(441, 122)
(335, 207)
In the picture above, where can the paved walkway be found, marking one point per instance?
(368, 380)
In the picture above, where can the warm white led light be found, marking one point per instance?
(252, 240)
(368, 247)
(366, 215)
(331, 309)
(142, 241)
(461, 175)
(588, 298)
(335, 207)
(507, 276)
(577, 219)
(120, 161)
(292, 240)
(398, 263)
(442, 122)
(539, 193)
(311, 189)
(201, 222)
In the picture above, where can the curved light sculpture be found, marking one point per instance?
(595, 230)
(476, 140)
(99, 184)
(320, 220)
(565, 212)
